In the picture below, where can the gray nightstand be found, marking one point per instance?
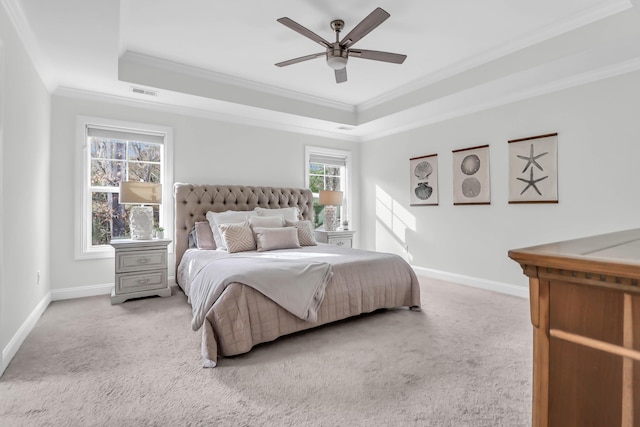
(342, 238)
(141, 269)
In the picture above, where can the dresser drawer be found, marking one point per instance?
(340, 241)
(127, 261)
(140, 282)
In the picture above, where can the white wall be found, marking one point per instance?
(599, 149)
(25, 189)
(205, 152)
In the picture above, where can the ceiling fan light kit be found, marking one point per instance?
(338, 53)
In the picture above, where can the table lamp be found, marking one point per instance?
(330, 199)
(141, 217)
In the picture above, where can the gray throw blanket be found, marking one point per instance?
(296, 286)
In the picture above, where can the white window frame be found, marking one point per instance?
(345, 212)
(83, 247)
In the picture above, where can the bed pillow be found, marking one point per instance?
(268, 239)
(289, 214)
(204, 235)
(228, 217)
(238, 237)
(266, 221)
(306, 235)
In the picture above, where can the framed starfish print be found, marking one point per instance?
(533, 169)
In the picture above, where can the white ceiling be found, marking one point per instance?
(217, 58)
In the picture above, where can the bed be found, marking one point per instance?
(241, 317)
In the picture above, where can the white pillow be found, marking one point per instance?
(306, 235)
(228, 217)
(266, 221)
(289, 214)
(238, 237)
(269, 239)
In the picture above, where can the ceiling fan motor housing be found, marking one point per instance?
(336, 57)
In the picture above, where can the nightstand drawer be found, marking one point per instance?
(141, 282)
(340, 241)
(140, 260)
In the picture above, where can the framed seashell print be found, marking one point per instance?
(471, 180)
(533, 169)
(424, 180)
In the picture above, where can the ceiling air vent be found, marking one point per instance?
(144, 91)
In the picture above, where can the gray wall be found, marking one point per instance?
(25, 169)
(599, 148)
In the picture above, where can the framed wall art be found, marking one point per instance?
(424, 180)
(471, 180)
(533, 169)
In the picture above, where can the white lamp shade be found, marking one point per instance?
(138, 192)
(333, 198)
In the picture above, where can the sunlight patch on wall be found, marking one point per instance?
(392, 223)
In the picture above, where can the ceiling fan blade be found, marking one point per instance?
(304, 31)
(341, 75)
(301, 59)
(376, 55)
(368, 24)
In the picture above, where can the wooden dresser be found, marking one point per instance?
(585, 311)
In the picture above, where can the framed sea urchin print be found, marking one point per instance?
(471, 180)
(533, 169)
(424, 180)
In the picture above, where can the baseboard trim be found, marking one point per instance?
(81, 291)
(14, 344)
(490, 285)
(86, 291)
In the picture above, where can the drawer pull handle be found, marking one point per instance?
(143, 281)
(143, 260)
(339, 243)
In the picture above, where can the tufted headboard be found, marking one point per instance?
(193, 201)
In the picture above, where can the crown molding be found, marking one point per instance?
(225, 79)
(244, 119)
(580, 79)
(25, 34)
(561, 27)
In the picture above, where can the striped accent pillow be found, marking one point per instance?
(306, 235)
(237, 237)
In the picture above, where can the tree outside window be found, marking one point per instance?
(113, 160)
(324, 176)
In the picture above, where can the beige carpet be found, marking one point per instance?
(464, 361)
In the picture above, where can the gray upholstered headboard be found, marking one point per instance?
(193, 201)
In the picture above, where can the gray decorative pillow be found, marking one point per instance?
(238, 237)
(306, 236)
(204, 235)
(269, 239)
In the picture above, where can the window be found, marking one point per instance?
(327, 169)
(114, 152)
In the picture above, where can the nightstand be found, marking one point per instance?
(342, 238)
(141, 269)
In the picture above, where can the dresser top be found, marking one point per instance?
(613, 253)
(130, 243)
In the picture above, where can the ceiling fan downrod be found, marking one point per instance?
(336, 55)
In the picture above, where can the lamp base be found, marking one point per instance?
(141, 222)
(330, 218)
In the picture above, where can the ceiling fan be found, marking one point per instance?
(338, 52)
